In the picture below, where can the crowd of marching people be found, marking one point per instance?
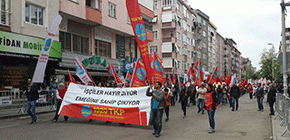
(207, 97)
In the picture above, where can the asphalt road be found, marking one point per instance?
(245, 124)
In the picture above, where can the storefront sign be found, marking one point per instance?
(96, 62)
(123, 105)
(15, 43)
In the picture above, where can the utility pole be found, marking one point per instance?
(283, 6)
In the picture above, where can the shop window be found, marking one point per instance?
(34, 14)
(104, 49)
(112, 10)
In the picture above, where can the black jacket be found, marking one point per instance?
(260, 92)
(32, 93)
(235, 92)
(271, 97)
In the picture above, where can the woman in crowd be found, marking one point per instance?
(201, 93)
(211, 104)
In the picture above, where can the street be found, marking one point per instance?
(245, 124)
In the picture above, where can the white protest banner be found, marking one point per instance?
(82, 73)
(43, 57)
(122, 105)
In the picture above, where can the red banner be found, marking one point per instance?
(213, 76)
(71, 79)
(159, 72)
(140, 33)
(128, 77)
(113, 73)
(199, 75)
(139, 75)
(191, 75)
(174, 76)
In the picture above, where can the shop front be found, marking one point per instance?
(18, 59)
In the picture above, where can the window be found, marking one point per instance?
(193, 42)
(33, 14)
(153, 49)
(155, 34)
(155, 4)
(179, 50)
(171, 33)
(178, 35)
(93, 3)
(188, 53)
(178, 6)
(4, 12)
(192, 55)
(188, 41)
(204, 34)
(198, 19)
(204, 46)
(120, 46)
(188, 28)
(104, 48)
(112, 10)
(74, 43)
(128, 19)
(184, 10)
(184, 24)
(167, 3)
(184, 37)
(178, 64)
(203, 22)
(184, 64)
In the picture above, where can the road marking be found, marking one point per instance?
(8, 126)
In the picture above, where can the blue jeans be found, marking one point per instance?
(211, 118)
(235, 100)
(260, 103)
(156, 120)
(200, 105)
(31, 110)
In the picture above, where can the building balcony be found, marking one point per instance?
(167, 39)
(168, 25)
(94, 15)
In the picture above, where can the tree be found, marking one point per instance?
(267, 62)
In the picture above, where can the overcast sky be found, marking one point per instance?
(251, 23)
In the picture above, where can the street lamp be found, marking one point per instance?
(272, 62)
(283, 6)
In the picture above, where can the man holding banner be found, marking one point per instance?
(157, 106)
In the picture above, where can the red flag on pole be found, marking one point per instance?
(174, 76)
(113, 73)
(213, 76)
(139, 75)
(140, 33)
(159, 72)
(128, 77)
(71, 79)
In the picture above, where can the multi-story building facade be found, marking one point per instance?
(233, 65)
(202, 38)
(23, 28)
(175, 35)
(245, 63)
(212, 47)
(221, 54)
(97, 31)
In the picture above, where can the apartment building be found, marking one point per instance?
(212, 47)
(202, 38)
(245, 63)
(23, 28)
(175, 33)
(221, 54)
(99, 32)
(233, 65)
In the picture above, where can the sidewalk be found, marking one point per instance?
(277, 129)
(17, 112)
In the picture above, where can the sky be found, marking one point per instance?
(252, 24)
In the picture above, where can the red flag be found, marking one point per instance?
(213, 76)
(191, 75)
(140, 33)
(71, 79)
(139, 75)
(199, 75)
(159, 72)
(174, 76)
(169, 79)
(128, 77)
(113, 73)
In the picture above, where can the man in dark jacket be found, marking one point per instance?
(260, 96)
(271, 98)
(235, 94)
(32, 95)
(157, 106)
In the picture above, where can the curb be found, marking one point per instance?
(21, 115)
